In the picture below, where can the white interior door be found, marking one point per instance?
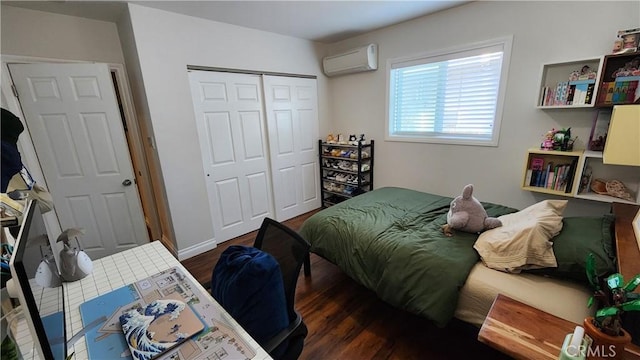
(230, 122)
(73, 119)
(292, 119)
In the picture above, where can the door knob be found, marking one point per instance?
(126, 182)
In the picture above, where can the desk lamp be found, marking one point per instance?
(74, 263)
(47, 274)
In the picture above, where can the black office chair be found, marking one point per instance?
(290, 250)
(243, 280)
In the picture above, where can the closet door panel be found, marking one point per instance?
(229, 115)
(293, 128)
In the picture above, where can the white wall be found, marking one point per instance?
(166, 43)
(543, 32)
(42, 34)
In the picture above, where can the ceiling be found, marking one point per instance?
(322, 21)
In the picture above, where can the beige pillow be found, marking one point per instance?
(523, 240)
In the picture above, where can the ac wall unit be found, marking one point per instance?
(364, 58)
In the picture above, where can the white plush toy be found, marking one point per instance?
(467, 214)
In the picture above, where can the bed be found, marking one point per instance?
(390, 240)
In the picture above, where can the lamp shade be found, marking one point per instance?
(623, 140)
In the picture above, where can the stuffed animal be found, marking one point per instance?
(467, 214)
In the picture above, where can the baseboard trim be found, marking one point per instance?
(197, 249)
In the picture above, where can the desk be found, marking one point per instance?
(115, 271)
(524, 332)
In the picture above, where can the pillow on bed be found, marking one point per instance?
(523, 240)
(579, 237)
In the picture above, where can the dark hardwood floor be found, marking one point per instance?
(347, 321)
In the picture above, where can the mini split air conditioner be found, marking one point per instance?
(364, 58)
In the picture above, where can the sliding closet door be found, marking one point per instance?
(292, 119)
(230, 122)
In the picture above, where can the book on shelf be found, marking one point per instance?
(545, 175)
(570, 175)
(589, 94)
(570, 93)
(580, 94)
(536, 170)
(632, 92)
(551, 178)
(609, 92)
(527, 178)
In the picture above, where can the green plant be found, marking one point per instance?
(613, 299)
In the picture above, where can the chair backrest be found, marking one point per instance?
(289, 249)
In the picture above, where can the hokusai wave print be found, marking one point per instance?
(162, 324)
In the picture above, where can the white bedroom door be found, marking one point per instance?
(230, 123)
(292, 121)
(73, 118)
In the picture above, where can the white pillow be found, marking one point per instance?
(523, 240)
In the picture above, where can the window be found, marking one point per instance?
(452, 97)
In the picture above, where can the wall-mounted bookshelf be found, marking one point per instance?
(570, 84)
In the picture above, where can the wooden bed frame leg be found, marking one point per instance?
(307, 265)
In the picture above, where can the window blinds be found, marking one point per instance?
(452, 95)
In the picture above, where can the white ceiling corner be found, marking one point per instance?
(323, 21)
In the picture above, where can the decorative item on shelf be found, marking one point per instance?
(599, 130)
(585, 180)
(613, 188)
(630, 68)
(627, 41)
(614, 297)
(331, 139)
(547, 143)
(558, 140)
(585, 73)
(75, 264)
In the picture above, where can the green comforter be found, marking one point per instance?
(390, 240)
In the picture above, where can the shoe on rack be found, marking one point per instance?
(349, 190)
(364, 167)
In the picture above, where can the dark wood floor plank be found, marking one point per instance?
(347, 321)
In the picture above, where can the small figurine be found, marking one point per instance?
(547, 144)
(615, 299)
(353, 140)
(617, 46)
(361, 139)
(331, 139)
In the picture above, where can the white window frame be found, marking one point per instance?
(443, 55)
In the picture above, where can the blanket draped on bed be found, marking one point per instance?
(390, 240)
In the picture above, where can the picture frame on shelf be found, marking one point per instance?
(599, 130)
